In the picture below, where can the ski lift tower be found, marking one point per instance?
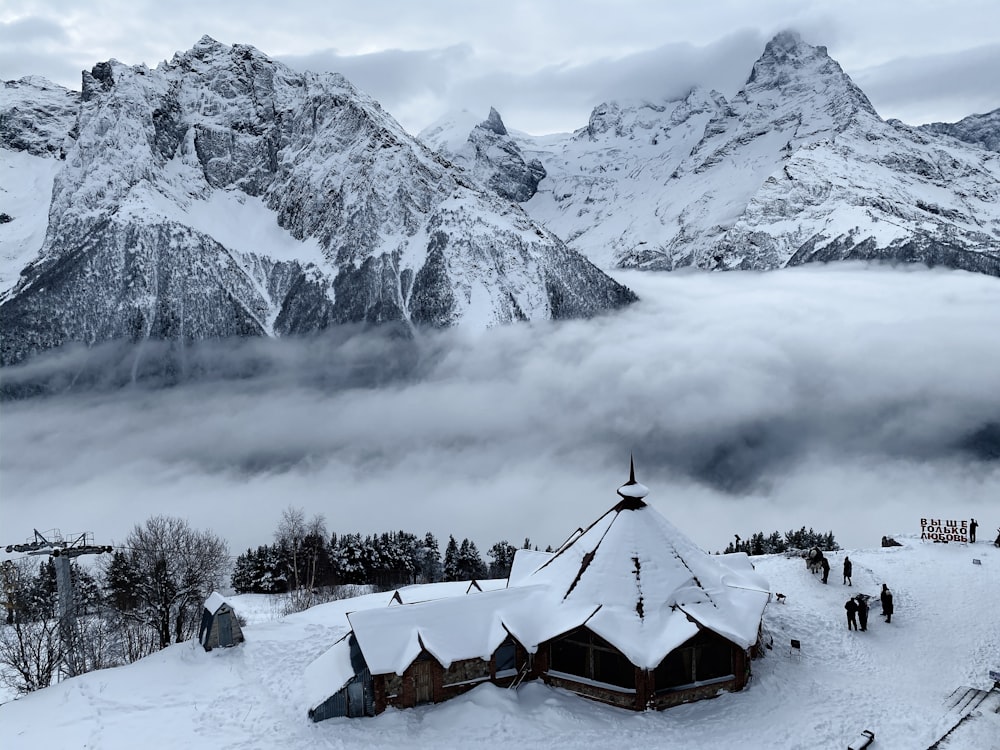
(62, 549)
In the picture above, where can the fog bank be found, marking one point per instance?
(854, 398)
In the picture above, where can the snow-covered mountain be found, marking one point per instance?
(223, 194)
(797, 167)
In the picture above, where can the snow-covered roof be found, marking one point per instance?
(526, 562)
(332, 668)
(631, 577)
(426, 592)
(652, 584)
(215, 601)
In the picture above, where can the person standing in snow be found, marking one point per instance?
(852, 614)
(862, 611)
(972, 530)
(886, 598)
(847, 570)
(826, 568)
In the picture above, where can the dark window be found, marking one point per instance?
(705, 657)
(506, 656)
(714, 660)
(587, 655)
(676, 669)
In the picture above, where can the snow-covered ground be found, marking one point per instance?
(895, 679)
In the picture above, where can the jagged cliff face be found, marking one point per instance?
(223, 194)
(37, 116)
(797, 167)
(981, 130)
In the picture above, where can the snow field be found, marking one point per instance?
(893, 679)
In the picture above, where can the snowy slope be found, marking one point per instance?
(361, 223)
(797, 167)
(895, 679)
(25, 190)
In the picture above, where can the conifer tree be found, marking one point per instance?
(451, 571)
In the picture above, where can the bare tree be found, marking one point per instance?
(30, 643)
(303, 542)
(175, 567)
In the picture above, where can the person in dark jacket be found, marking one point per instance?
(847, 570)
(862, 611)
(972, 530)
(826, 568)
(852, 614)
(886, 598)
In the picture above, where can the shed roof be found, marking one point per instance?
(332, 668)
(214, 602)
(426, 592)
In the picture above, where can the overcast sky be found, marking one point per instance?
(845, 398)
(544, 65)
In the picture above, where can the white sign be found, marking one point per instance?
(939, 530)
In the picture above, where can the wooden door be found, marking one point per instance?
(422, 688)
(225, 629)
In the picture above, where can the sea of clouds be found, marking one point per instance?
(850, 398)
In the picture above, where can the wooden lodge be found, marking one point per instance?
(628, 612)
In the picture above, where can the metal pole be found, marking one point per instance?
(66, 613)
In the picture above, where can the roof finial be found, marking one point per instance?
(632, 490)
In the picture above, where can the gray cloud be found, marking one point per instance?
(543, 65)
(30, 30)
(854, 398)
(417, 86)
(939, 88)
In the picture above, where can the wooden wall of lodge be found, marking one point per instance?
(401, 692)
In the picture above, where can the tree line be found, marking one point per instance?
(305, 558)
(761, 544)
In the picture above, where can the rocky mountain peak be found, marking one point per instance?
(797, 167)
(494, 123)
(223, 194)
(794, 69)
(207, 43)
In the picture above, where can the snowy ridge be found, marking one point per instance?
(364, 224)
(982, 130)
(797, 167)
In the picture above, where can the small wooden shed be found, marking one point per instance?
(219, 626)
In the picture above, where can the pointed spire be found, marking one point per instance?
(632, 491)
(494, 123)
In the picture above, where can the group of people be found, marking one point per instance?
(857, 608)
(826, 570)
